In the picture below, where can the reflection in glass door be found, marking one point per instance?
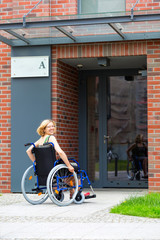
(116, 113)
(127, 118)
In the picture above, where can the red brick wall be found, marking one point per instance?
(131, 48)
(142, 5)
(153, 63)
(21, 7)
(5, 118)
(63, 7)
(17, 8)
(6, 10)
(65, 105)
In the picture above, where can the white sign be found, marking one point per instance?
(30, 66)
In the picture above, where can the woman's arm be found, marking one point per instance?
(61, 153)
(130, 149)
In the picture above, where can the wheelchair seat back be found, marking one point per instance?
(45, 158)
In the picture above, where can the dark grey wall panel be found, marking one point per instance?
(30, 104)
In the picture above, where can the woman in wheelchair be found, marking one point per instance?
(138, 154)
(61, 180)
(47, 130)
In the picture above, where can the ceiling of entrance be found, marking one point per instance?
(138, 62)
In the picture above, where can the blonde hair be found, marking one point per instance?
(43, 125)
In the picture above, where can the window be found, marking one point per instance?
(99, 6)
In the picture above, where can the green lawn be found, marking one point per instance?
(122, 165)
(144, 206)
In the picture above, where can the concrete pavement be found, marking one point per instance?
(90, 220)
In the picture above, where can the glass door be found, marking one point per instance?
(113, 110)
(126, 118)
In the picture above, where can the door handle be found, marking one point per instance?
(105, 137)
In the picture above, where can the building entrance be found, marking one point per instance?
(113, 110)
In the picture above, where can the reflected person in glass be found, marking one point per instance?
(138, 152)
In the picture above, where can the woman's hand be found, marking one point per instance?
(71, 169)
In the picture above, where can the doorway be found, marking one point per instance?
(113, 110)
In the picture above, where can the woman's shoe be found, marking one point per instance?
(86, 194)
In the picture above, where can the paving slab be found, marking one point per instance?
(89, 220)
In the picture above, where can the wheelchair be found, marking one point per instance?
(48, 177)
(134, 171)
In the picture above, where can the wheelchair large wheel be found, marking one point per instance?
(31, 192)
(130, 170)
(62, 185)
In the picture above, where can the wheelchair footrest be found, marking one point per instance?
(37, 190)
(90, 196)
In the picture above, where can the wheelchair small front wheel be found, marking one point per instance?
(79, 198)
(31, 192)
(62, 185)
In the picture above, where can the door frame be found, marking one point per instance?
(103, 128)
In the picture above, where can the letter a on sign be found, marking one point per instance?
(42, 65)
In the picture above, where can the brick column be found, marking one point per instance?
(5, 119)
(153, 63)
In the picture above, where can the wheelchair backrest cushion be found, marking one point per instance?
(45, 158)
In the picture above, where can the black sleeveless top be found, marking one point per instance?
(139, 151)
